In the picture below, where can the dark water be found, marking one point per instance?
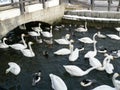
(54, 64)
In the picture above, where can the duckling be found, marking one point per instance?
(36, 78)
(86, 82)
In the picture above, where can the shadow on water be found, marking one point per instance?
(54, 64)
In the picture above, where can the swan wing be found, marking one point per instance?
(2, 45)
(28, 53)
(86, 40)
(73, 70)
(74, 55)
(109, 68)
(57, 82)
(63, 51)
(62, 41)
(104, 87)
(113, 36)
(18, 46)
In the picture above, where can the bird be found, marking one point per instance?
(19, 46)
(3, 44)
(113, 36)
(74, 54)
(63, 41)
(28, 52)
(74, 70)
(100, 35)
(81, 29)
(46, 33)
(57, 82)
(86, 82)
(37, 28)
(92, 53)
(86, 40)
(64, 51)
(14, 68)
(36, 78)
(118, 29)
(116, 83)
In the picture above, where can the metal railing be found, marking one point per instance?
(21, 4)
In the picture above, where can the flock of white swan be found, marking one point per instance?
(73, 55)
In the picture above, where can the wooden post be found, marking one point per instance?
(22, 6)
(118, 7)
(109, 4)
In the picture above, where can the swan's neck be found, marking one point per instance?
(113, 80)
(30, 48)
(4, 41)
(86, 25)
(7, 70)
(71, 47)
(88, 70)
(24, 41)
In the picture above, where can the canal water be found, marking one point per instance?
(54, 64)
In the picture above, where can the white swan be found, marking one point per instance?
(106, 87)
(100, 35)
(57, 82)
(37, 28)
(13, 68)
(63, 41)
(86, 40)
(92, 53)
(28, 52)
(113, 36)
(36, 78)
(3, 44)
(19, 46)
(64, 51)
(118, 29)
(76, 71)
(46, 33)
(107, 66)
(81, 29)
(75, 54)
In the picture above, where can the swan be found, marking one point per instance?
(46, 33)
(100, 35)
(92, 53)
(86, 82)
(86, 40)
(63, 41)
(64, 51)
(19, 46)
(3, 44)
(75, 54)
(76, 71)
(118, 29)
(37, 28)
(13, 68)
(81, 29)
(57, 82)
(116, 83)
(113, 36)
(28, 52)
(36, 78)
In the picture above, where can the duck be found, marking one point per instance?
(86, 82)
(19, 46)
(100, 35)
(28, 52)
(64, 51)
(63, 41)
(36, 78)
(75, 54)
(116, 83)
(14, 68)
(92, 53)
(74, 70)
(46, 33)
(3, 44)
(57, 82)
(81, 29)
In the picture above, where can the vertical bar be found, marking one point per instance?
(92, 4)
(118, 7)
(43, 2)
(22, 6)
(109, 4)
